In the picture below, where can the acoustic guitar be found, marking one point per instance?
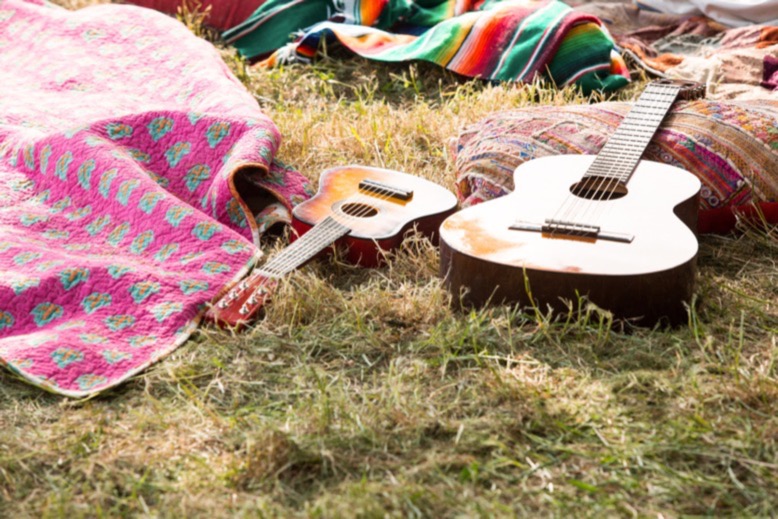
(615, 229)
(366, 210)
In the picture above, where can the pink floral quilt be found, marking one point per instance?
(120, 137)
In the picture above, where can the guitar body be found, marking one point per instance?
(375, 223)
(648, 279)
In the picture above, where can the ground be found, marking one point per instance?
(363, 393)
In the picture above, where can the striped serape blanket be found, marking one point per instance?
(121, 139)
(501, 40)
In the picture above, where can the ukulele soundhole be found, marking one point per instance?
(358, 210)
(599, 188)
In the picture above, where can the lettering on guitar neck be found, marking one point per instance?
(380, 189)
(571, 230)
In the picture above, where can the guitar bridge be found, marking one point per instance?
(373, 187)
(562, 229)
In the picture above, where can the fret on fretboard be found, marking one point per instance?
(325, 233)
(621, 154)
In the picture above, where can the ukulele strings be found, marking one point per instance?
(330, 230)
(299, 251)
(304, 249)
(652, 98)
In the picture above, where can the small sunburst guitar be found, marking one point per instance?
(615, 229)
(366, 210)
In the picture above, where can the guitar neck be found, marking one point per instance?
(322, 235)
(620, 156)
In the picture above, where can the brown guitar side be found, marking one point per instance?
(645, 299)
(649, 280)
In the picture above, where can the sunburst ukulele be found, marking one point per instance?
(368, 210)
(611, 227)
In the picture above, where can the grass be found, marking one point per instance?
(363, 394)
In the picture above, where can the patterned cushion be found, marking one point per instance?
(731, 146)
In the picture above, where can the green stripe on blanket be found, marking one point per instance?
(503, 40)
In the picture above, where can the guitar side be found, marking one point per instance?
(649, 279)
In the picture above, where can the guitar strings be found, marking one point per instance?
(294, 255)
(304, 249)
(608, 159)
(655, 96)
(658, 103)
(356, 217)
(618, 169)
(330, 230)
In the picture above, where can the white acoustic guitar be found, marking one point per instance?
(613, 228)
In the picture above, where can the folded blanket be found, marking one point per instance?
(734, 63)
(121, 136)
(504, 40)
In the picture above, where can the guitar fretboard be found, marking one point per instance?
(304, 248)
(620, 156)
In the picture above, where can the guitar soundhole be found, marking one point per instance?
(599, 188)
(359, 210)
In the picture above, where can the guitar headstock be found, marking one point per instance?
(690, 90)
(243, 303)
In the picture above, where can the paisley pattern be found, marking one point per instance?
(176, 214)
(95, 301)
(118, 131)
(149, 201)
(72, 277)
(45, 313)
(119, 322)
(163, 311)
(6, 320)
(142, 242)
(85, 174)
(143, 290)
(217, 132)
(107, 256)
(115, 356)
(196, 175)
(63, 164)
(118, 234)
(44, 161)
(160, 127)
(189, 287)
(177, 152)
(166, 251)
(125, 191)
(20, 285)
(205, 230)
(105, 182)
(64, 357)
(100, 223)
